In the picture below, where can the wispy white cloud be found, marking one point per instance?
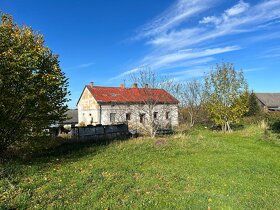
(127, 73)
(168, 59)
(271, 53)
(173, 42)
(192, 62)
(81, 66)
(237, 9)
(211, 19)
(242, 15)
(264, 37)
(178, 64)
(197, 71)
(238, 19)
(188, 56)
(173, 16)
(253, 69)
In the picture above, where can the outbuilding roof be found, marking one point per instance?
(72, 115)
(269, 99)
(131, 95)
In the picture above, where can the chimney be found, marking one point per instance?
(122, 86)
(134, 85)
(146, 85)
(91, 84)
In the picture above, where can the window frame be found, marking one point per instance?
(112, 117)
(167, 115)
(142, 118)
(155, 115)
(128, 116)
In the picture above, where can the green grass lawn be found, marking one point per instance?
(198, 170)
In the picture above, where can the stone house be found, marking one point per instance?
(269, 101)
(135, 106)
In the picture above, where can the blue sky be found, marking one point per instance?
(105, 40)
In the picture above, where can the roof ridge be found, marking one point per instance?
(266, 92)
(131, 95)
(126, 87)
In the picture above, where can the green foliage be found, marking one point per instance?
(273, 119)
(199, 170)
(272, 116)
(254, 107)
(33, 88)
(275, 126)
(226, 95)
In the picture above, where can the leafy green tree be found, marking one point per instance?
(254, 107)
(226, 95)
(33, 88)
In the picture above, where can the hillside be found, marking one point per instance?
(197, 170)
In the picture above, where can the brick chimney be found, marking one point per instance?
(122, 86)
(135, 85)
(91, 84)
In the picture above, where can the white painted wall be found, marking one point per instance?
(92, 115)
(135, 110)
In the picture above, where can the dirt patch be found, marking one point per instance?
(160, 142)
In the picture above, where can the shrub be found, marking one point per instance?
(34, 145)
(183, 128)
(82, 124)
(254, 107)
(275, 126)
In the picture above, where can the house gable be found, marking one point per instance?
(87, 101)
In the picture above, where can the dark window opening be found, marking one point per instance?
(155, 115)
(167, 115)
(127, 116)
(112, 117)
(142, 118)
(91, 119)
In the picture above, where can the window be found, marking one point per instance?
(112, 117)
(91, 119)
(155, 115)
(142, 118)
(167, 115)
(127, 116)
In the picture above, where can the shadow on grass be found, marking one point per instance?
(275, 126)
(13, 166)
(235, 127)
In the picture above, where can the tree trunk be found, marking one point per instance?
(191, 120)
(152, 131)
(224, 129)
(228, 127)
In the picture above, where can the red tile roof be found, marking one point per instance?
(131, 95)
